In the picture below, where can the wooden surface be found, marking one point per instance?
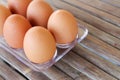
(95, 58)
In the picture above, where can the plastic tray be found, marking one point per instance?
(60, 52)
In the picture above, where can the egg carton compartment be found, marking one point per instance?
(60, 52)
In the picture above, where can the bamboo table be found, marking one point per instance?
(95, 58)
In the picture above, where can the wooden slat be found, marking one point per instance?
(1, 78)
(103, 15)
(76, 75)
(33, 75)
(55, 74)
(115, 3)
(113, 41)
(102, 49)
(103, 6)
(98, 61)
(96, 22)
(23, 69)
(85, 67)
(8, 73)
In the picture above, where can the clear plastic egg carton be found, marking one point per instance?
(60, 52)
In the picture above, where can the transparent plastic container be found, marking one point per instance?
(62, 49)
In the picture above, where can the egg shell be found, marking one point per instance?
(14, 30)
(63, 26)
(4, 13)
(38, 13)
(18, 6)
(39, 45)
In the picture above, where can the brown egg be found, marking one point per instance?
(39, 45)
(4, 13)
(38, 13)
(63, 26)
(18, 6)
(14, 30)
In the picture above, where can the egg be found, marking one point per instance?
(18, 6)
(38, 13)
(39, 45)
(14, 30)
(63, 26)
(4, 13)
